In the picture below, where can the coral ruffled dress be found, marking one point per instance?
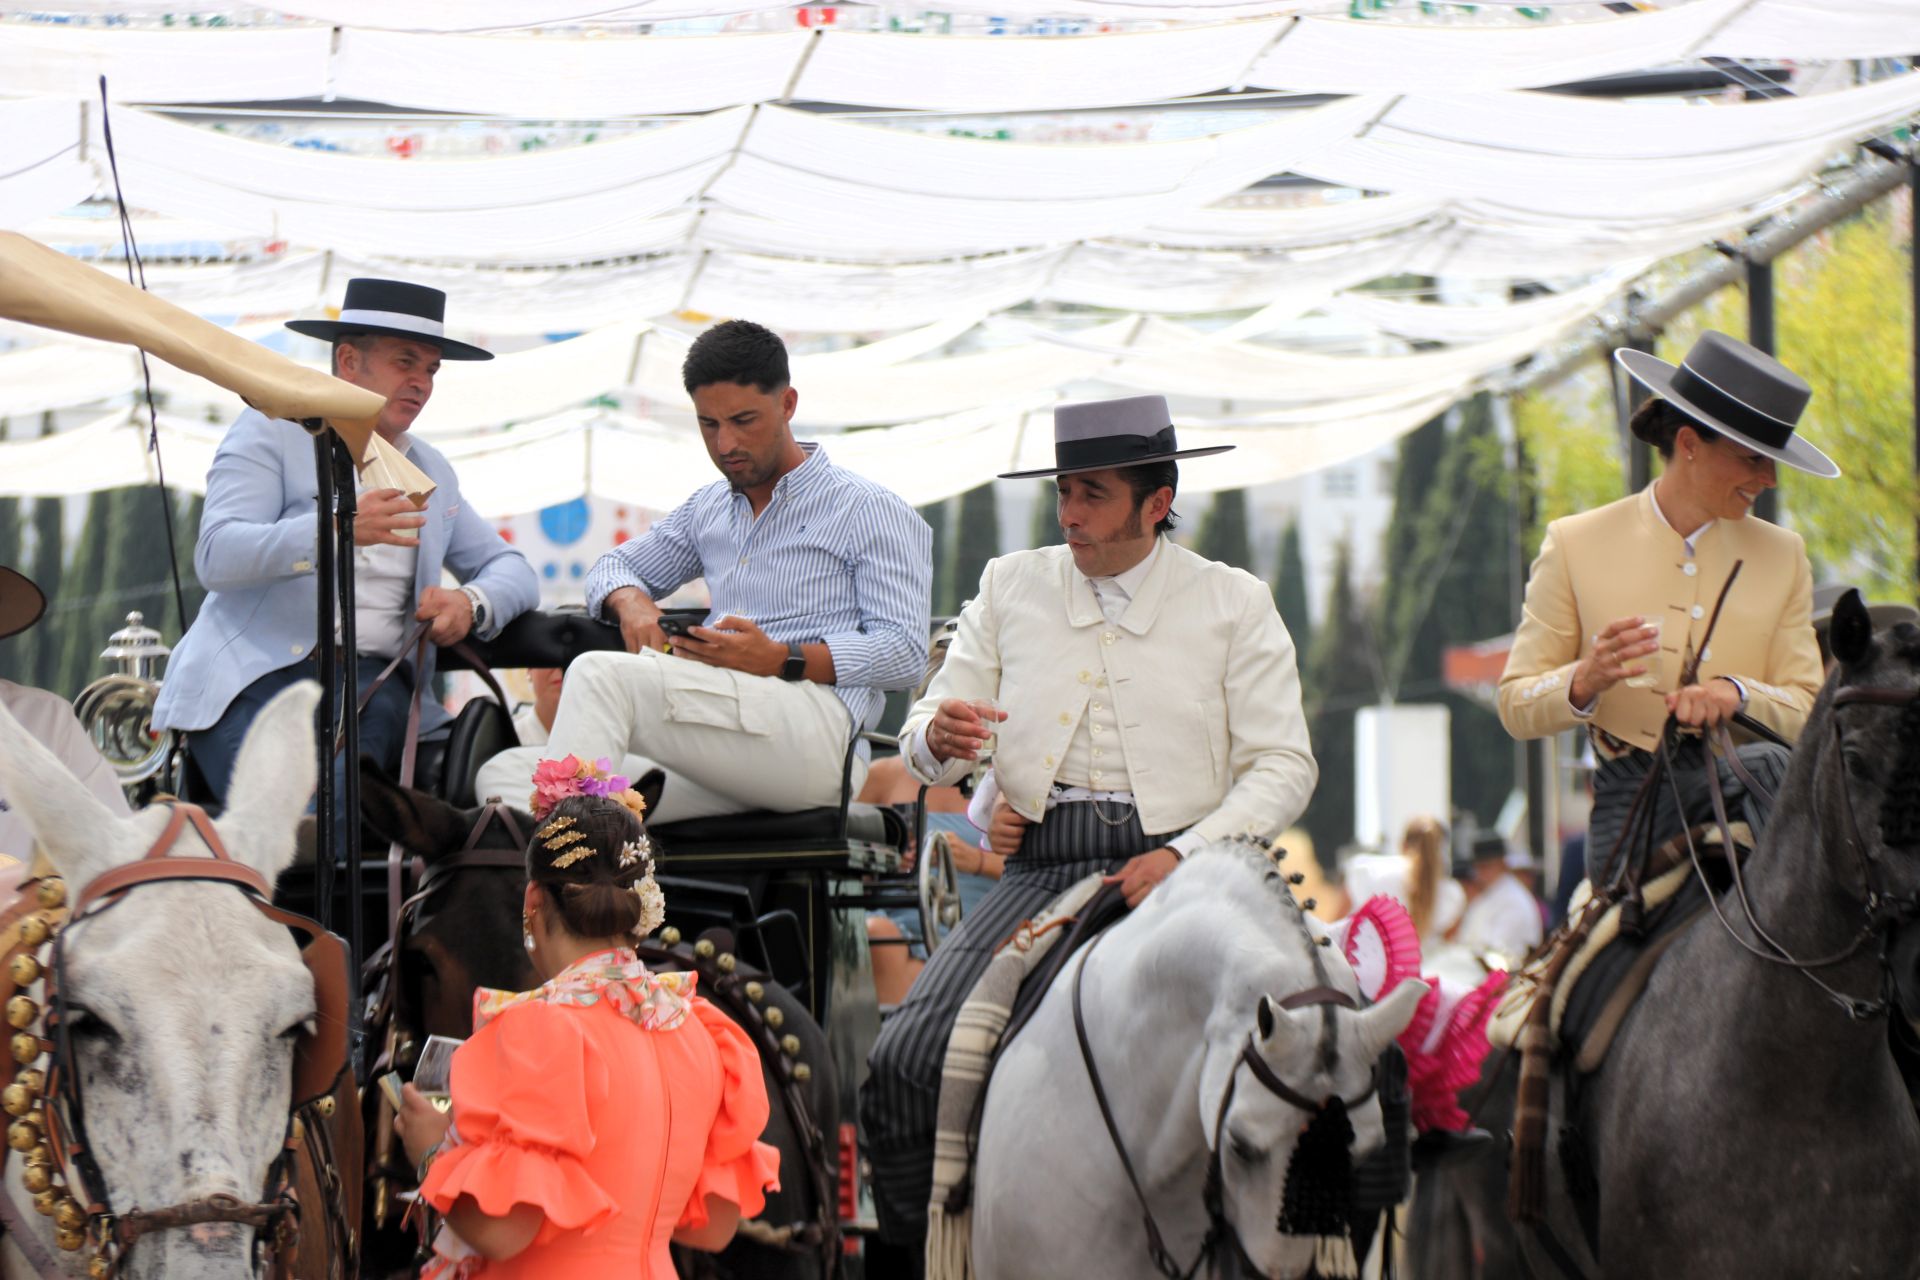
(614, 1101)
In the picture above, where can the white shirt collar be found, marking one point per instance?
(1661, 516)
(1125, 585)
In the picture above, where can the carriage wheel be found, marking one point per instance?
(939, 892)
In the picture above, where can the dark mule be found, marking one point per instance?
(462, 930)
(1750, 1119)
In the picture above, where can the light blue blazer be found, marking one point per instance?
(256, 557)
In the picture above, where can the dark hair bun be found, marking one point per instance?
(575, 855)
(1658, 422)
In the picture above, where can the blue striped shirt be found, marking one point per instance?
(834, 557)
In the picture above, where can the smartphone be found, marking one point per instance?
(677, 622)
(390, 1086)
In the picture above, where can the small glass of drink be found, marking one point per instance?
(1652, 661)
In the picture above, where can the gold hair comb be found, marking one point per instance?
(572, 856)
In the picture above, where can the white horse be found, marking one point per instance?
(1178, 998)
(185, 1001)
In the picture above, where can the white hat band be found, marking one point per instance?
(395, 320)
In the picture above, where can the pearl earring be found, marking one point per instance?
(526, 931)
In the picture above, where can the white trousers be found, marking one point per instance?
(729, 742)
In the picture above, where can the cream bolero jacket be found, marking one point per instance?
(1622, 560)
(1202, 674)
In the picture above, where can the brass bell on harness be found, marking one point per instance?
(25, 1046)
(69, 1216)
(45, 1202)
(23, 1136)
(22, 1013)
(16, 1099)
(51, 893)
(704, 948)
(756, 992)
(36, 1178)
(24, 970)
(775, 1017)
(32, 1079)
(670, 936)
(802, 1072)
(99, 1268)
(790, 1045)
(726, 962)
(68, 1238)
(324, 1106)
(34, 931)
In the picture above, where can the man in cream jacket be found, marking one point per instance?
(1148, 702)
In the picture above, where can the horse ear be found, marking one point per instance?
(420, 823)
(650, 785)
(1851, 632)
(67, 820)
(1264, 1016)
(272, 781)
(1387, 1019)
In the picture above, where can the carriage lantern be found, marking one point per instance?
(117, 710)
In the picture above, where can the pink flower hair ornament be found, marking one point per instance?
(555, 780)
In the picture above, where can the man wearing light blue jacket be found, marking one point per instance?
(256, 552)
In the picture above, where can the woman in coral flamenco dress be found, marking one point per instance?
(607, 1112)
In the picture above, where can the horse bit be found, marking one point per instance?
(52, 1139)
(1212, 1194)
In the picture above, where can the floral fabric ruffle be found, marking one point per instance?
(652, 1001)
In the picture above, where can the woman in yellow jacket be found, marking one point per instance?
(1619, 599)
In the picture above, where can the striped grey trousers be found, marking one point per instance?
(902, 1093)
(1616, 782)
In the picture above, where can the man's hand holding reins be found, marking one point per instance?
(639, 619)
(448, 613)
(958, 731)
(1137, 876)
(1615, 656)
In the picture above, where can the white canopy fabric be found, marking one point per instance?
(406, 56)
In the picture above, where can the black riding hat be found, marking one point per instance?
(1740, 392)
(394, 308)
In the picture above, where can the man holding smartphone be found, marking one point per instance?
(820, 582)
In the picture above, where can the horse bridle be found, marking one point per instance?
(1213, 1194)
(1885, 910)
(62, 1172)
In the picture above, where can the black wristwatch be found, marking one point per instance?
(795, 667)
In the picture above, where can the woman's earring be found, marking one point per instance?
(526, 931)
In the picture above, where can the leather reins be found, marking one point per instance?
(1213, 1190)
(66, 1151)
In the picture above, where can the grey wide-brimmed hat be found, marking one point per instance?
(1739, 391)
(21, 603)
(396, 309)
(1101, 434)
(1880, 616)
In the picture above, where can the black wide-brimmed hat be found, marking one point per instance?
(1101, 434)
(394, 308)
(21, 603)
(1740, 392)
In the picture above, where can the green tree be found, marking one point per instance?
(68, 626)
(11, 521)
(1339, 678)
(1573, 449)
(1415, 471)
(1045, 531)
(40, 656)
(1455, 586)
(935, 514)
(1223, 531)
(1290, 589)
(976, 540)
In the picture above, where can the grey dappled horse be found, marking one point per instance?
(1745, 1123)
(1177, 996)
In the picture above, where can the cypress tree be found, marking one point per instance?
(1339, 679)
(1451, 585)
(1223, 531)
(1290, 589)
(68, 628)
(39, 655)
(186, 529)
(976, 540)
(1046, 517)
(10, 522)
(941, 596)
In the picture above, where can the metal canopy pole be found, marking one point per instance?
(326, 657)
(348, 503)
(1913, 283)
(1760, 334)
(1639, 454)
